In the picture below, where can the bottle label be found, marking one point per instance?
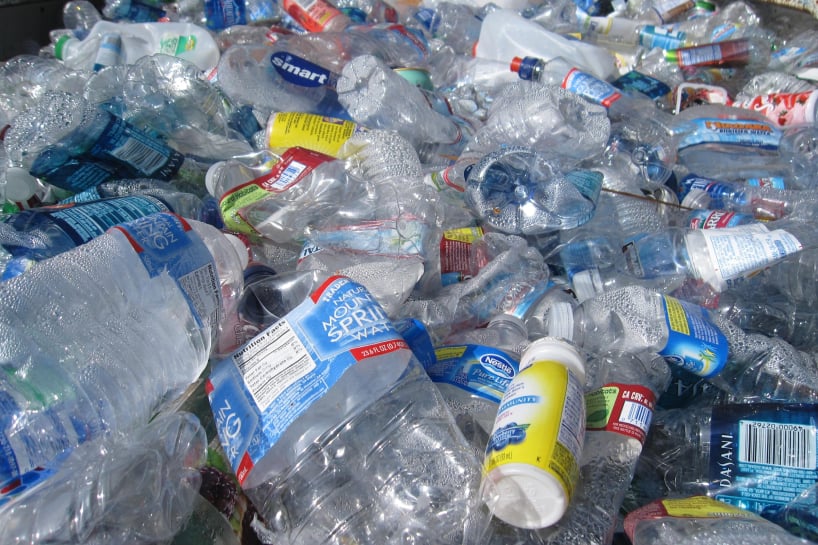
(541, 423)
(264, 386)
(762, 455)
(483, 371)
(626, 409)
(109, 52)
(177, 44)
(654, 36)
(221, 14)
(591, 88)
(700, 507)
(314, 15)
(300, 71)
(738, 252)
(716, 219)
(730, 53)
(446, 178)
(311, 131)
(634, 81)
(783, 108)
(749, 133)
(668, 10)
(238, 203)
(458, 261)
(85, 221)
(397, 237)
(164, 243)
(775, 182)
(694, 342)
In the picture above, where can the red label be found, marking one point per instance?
(628, 410)
(378, 349)
(783, 108)
(295, 165)
(652, 510)
(244, 468)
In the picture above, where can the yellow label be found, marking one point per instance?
(449, 352)
(703, 507)
(677, 318)
(311, 131)
(464, 234)
(541, 422)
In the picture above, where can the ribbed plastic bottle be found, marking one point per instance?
(133, 315)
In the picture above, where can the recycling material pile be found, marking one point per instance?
(429, 273)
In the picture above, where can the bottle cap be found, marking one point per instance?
(59, 47)
(241, 248)
(697, 198)
(20, 185)
(210, 177)
(561, 321)
(553, 349)
(524, 496)
(510, 320)
(586, 284)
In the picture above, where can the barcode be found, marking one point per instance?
(146, 159)
(289, 176)
(636, 414)
(786, 445)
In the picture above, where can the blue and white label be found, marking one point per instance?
(634, 81)
(749, 133)
(263, 387)
(299, 71)
(482, 371)
(762, 455)
(164, 242)
(591, 88)
(651, 36)
(694, 342)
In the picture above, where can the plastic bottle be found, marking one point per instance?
(457, 24)
(317, 15)
(532, 459)
(472, 370)
(368, 446)
(32, 235)
(135, 488)
(136, 11)
(74, 145)
(506, 34)
(161, 286)
(221, 14)
(185, 40)
(669, 521)
(733, 452)
(621, 31)
(80, 16)
(748, 53)
(519, 191)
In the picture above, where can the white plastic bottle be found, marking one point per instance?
(135, 40)
(132, 318)
(533, 455)
(506, 34)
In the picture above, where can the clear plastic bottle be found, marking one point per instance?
(134, 487)
(80, 16)
(32, 235)
(707, 521)
(133, 320)
(367, 449)
(472, 370)
(74, 145)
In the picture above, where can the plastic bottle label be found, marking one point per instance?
(762, 455)
(670, 9)
(694, 342)
(784, 108)
(164, 244)
(748, 133)
(109, 52)
(653, 36)
(314, 15)
(300, 71)
(775, 182)
(315, 132)
(700, 507)
(737, 252)
(221, 14)
(483, 371)
(734, 52)
(404, 236)
(295, 165)
(457, 260)
(541, 422)
(176, 44)
(716, 219)
(626, 409)
(145, 155)
(258, 392)
(86, 221)
(642, 83)
(591, 88)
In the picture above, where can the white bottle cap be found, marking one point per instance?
(210, 178)
(697, 198)
(552, 349)
(561, 321)
(524, 496)
(241, 249)
(20, 185)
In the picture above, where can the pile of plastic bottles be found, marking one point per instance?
(428, 273)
